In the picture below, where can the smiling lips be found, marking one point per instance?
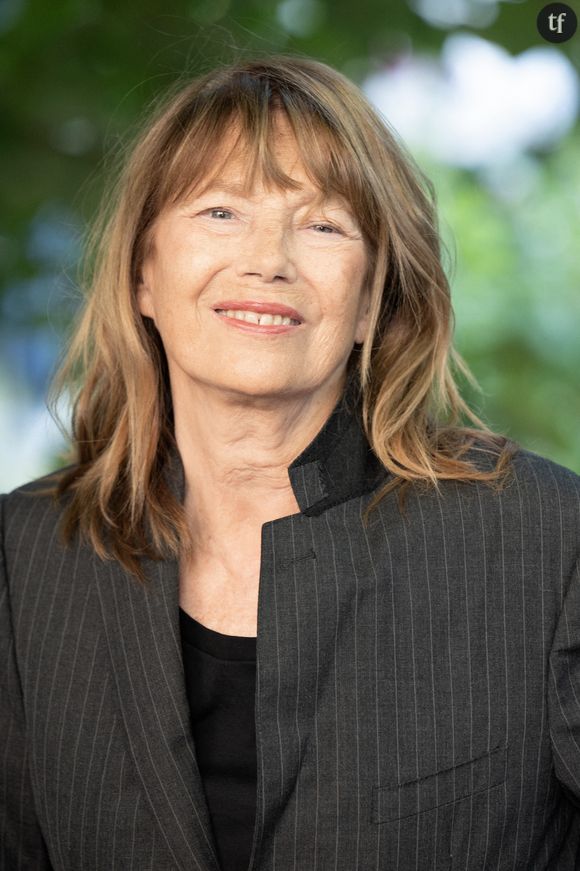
(271, 308)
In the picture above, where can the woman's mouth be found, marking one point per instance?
(257, 322)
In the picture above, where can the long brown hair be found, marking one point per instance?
(122, 421)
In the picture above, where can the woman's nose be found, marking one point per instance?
(267, 252)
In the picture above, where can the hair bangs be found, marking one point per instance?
(241, 125)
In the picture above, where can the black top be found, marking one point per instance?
(220, 675)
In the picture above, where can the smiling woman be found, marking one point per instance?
(285, 608)
(291, 146)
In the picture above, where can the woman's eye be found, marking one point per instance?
(217, 209)
(220, 213)
(328, 227)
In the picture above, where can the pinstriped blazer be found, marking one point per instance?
(417, 695)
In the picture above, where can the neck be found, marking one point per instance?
(236, 450)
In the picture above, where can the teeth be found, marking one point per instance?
(256, 318)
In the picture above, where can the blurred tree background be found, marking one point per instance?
(488, 108)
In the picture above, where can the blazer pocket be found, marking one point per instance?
(442, 787)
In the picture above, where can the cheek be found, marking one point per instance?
(171, 294)
(178, 318)
(340, 314)
(343, 283)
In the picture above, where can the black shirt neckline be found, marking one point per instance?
(217, 644)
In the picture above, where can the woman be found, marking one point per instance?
(283, 611)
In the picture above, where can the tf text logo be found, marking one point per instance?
(557, 22)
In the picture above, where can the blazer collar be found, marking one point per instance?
(339, 463)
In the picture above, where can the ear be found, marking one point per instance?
(144, 296)
(363, 319)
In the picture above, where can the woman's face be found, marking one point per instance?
(272, 247)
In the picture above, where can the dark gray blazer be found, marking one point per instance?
(417, 697)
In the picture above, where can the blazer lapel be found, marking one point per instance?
(142, 629)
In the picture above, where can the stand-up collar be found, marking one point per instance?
(337, 465)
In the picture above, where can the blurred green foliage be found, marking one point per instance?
(516, 296)
(77, 75)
